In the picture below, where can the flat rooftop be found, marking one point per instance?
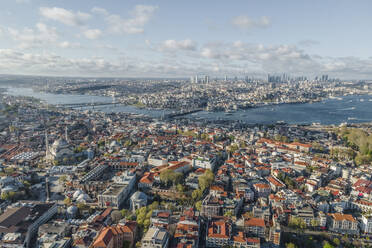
(114, 189)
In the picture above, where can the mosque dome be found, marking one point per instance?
(60, 144)
(77, 194)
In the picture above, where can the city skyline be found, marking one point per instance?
(168, 39)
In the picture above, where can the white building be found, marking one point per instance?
(138, 200)
(205, 163)
(157, 161)
(116, 194)
(366, 224)
(58, 151)
(155, 238)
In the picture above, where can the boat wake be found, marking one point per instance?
(345, 109)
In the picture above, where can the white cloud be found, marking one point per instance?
(246, 22)
(238, 58)
(65, 16)
(141, 15)
(51, 64)
(28, 37)
(174, 45)
(92, 34)
(99, 11)
(280, 58)
(67, 44)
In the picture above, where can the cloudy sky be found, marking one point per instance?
(175, 38)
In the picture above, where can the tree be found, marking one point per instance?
(125, 213)
(290, 245)
(166, 176)
(5, 196)
(154, 205)
(297, 223)
(196, 194)
(67, 201)
(62, 178)
(82, 206)
(233, 148)
(116, 216)
(128, 143)
(27, 184)
(314, 223)
(146, 223)
(229, 213)
(176, 177)
(327, 245)
(8, 196)
(336, 241)
(198, 205)
(180, 188)
(277, 137)
(203, 183)
(206, 180)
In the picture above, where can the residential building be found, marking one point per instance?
(117, 236)
(155, 238)
(343, 223)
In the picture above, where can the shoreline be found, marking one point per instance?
(220, 116)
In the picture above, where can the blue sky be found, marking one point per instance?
(174, 38)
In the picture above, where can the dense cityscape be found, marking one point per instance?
(73, 178)
(185, 124)
(226, 94)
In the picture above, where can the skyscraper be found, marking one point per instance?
(206, 79)
(191, 80)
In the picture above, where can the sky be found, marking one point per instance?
(175, 38)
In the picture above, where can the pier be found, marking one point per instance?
(181, 113)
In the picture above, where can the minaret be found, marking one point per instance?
(46, 144)
(66, 134)
(47, 189)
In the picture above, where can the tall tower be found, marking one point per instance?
(46, 143)
(47, 189)
(66, 133)
(196, 79)
(206, 79)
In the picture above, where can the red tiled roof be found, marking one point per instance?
(255, 222)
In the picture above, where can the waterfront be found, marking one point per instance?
(350, 109)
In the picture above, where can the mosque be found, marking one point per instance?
(59, 150)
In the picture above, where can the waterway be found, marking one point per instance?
(350, 109)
